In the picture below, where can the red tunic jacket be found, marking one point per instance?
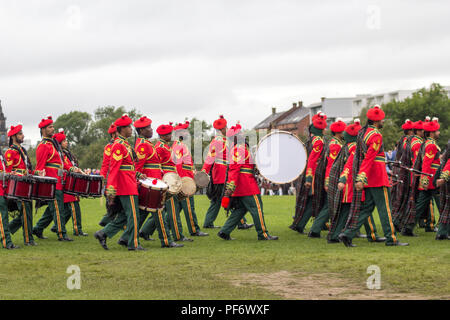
(346, 175)
(183, 159)
(122, 173)
(217, 156)
(416, 143)
(148, 159)
(164, 152)
(445, 173)
(240, 173)
(335, 147)
(372, 172)
(47, 157)
(2, 190)
(430, 164)
(106, 159)
(67, 166)
(14, 162)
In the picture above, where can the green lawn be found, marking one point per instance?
(211, 268)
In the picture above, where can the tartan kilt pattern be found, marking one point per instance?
(444, 196)
(319, 182)
(334, 195)
(410, 212)
(301, 191)
(355, 207)
(400, 191)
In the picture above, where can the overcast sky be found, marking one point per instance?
(176, 59)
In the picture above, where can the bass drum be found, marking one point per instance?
(280, 157)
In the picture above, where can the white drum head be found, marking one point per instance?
(280, 157)
(149, 183)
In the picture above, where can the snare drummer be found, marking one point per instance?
(5, 235)
(71, 203)
(49, 162)
(242, 189)
(172, 205)
(148, 163)
(185, 168)
(17, 162)
(112, 131)
(122, 184)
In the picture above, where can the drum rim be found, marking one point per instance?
(43, 179)
(296, 137)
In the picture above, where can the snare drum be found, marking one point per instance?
(201, 179)
(95, 186)
(173, 180)
(76, 184)
(43, 188)
(152, 194)
(19, 187)
(188, 188)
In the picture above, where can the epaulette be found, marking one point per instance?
(316, 138)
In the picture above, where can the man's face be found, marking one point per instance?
(20, 137)
(436, 135)
(48, 131)
(167, 137)
(380, 124)
(224, 131)
(421, 133)
(127, 131)
(65, 144)
(147, 132)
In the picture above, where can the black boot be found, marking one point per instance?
(346, 241)
(224, 236)
(101, 237)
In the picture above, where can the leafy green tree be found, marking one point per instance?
(75, 125)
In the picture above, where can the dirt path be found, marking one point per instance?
(298, 286)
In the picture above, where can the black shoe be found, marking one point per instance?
(245, 226)
(139, 248)
(269, 238)
(65, 239)
(53, 229)
(224, 236)
(185, 239)
(442, 237)
(200, 234)
(333, 241)
(428, 229)
(31, 244)
(292, 227)
(102, 224)
(211, 227)
(101, 237)
(346, 241)
(39, 234)
(408, 233)
(12, 247)
(400, 244)
(81, 234)
(313, 235)
(122, 242)
(173, 245)
(145, 237)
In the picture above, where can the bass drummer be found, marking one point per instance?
(18, 163)
(185, 168)
(148, 163)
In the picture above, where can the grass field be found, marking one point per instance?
(294, 267)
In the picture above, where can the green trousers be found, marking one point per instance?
(24, 220)
(159, 221)
(211, 214)
(4, 230)
(379, 197)
(443, 230)
(72, 211)
(252, 204)
(423, 201)
(322, 217)
(173, 218)
(188, 207)
(428, 217)
(369, 225)
(127, 217)
(54, 212)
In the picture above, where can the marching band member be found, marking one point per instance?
(71, 203)
(371, 179)
(337, 128)
(242, 190)
(49, 162)
(443, 232)
(122, 184)
(429, 153)
(149, 164)
(17, 162)
(185, 168)
(112, 131)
